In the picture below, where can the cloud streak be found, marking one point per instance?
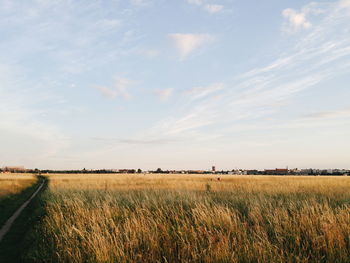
(214, 8)
(211, 8)
(319, 55)
(22, 121)
(119, 89)
(163, 94)
(328, 114)
(186, 44)
(201, 92)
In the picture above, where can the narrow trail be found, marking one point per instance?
(7, 226)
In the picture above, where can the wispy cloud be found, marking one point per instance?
(188, 43)
(295, 20)
(321, 54)
(201, 92)
(134, 141)
(57, 43)
(70, 33)
(211, 8)
(163, 94)
(150, 53)
(196, 2)
(22, 122)
(119, 89)
(140, 2)
(344, 3)
(328, 114)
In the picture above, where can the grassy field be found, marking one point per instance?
(14, 183)
(19, 239)
(185, 218)
(14, 190)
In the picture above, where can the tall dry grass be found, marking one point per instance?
(14, 183)
(181, 218)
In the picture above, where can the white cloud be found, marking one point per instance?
(201, 92)
(214, 8)
(211, 8)
(196, 2)
(22, 122)
(150, 53)
(185, 124)
(188, 43)
(109, 24)
(295, 20)
(344, 3)
(119, 89)
(343, 113)
(139, 2)
(319, 55)
(163, 94)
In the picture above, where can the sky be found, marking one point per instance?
(180, 84)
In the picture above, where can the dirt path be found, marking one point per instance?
(7, 226)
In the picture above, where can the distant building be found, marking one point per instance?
(305, 171)
(252, 172)
(295, 171)
(14, 169)
(126, 171)
(276, 171)
(196, 172)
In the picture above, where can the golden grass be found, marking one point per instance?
(195, 218)
(14, 183)
(323, 184)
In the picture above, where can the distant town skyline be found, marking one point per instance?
(213, 170)
(180, 84)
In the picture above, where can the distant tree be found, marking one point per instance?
(139, 171)
(159, 170)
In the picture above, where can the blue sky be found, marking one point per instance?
(181, 84)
